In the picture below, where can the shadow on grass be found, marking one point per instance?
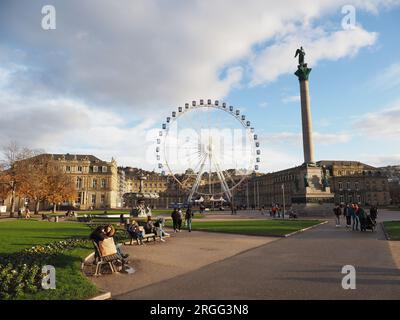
(25, 284)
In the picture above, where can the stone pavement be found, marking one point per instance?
(305, 266)
(182, 253)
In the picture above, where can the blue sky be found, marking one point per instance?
(112, 71)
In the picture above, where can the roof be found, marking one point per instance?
(74, 157)
(343, 163)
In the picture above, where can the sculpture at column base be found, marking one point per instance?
(312, 196)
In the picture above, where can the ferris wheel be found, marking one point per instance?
(209, 148)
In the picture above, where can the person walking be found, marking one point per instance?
(362, 215)
(373, 212)
(179, 220)
(273, 211)
(347, 212)
(188, 218)
(337, 213)
(278, 210)
(356, 219)
(174, 216)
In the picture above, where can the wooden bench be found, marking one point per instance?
(147, 237)
(99, 260)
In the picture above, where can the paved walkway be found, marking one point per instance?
(182, 253)
(305, 266)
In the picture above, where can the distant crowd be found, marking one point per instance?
(356, 217)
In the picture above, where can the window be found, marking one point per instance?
(103, 199)
(358, 198)
(341, 199)
(95, 169)
(103, 183)
(104, 169)
(348, 185)
(94, 183)
(79, 199)
(93, 199)
(79, 169)
(356, 185)
(68, 168)
(78, 183)
(340, 186)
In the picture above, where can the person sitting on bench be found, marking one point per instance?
(159, 224)
(135, 231)
(149, 226)
(292, 214)
(104, 238)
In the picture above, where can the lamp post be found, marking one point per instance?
(283, 196)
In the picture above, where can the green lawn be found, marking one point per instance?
(20, 234)
(70, 282)
(254, 227)
(393, 229)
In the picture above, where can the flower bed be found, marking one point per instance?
(21, 272)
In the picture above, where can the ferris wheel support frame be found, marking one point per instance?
(208, 154)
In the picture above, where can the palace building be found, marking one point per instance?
(347, 181)
(96, 182)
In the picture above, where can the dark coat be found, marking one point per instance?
(98, 234)
(189, 214)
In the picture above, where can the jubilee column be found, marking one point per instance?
(303, 73)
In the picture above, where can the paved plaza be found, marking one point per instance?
(308, 265)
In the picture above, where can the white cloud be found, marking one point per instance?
(152, 54)
(278, 58)
(381, 160)
(290, 99)
(383, 124)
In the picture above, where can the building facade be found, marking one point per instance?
(102, 185)
(165, 186)
(96, 181)
(348, 181)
